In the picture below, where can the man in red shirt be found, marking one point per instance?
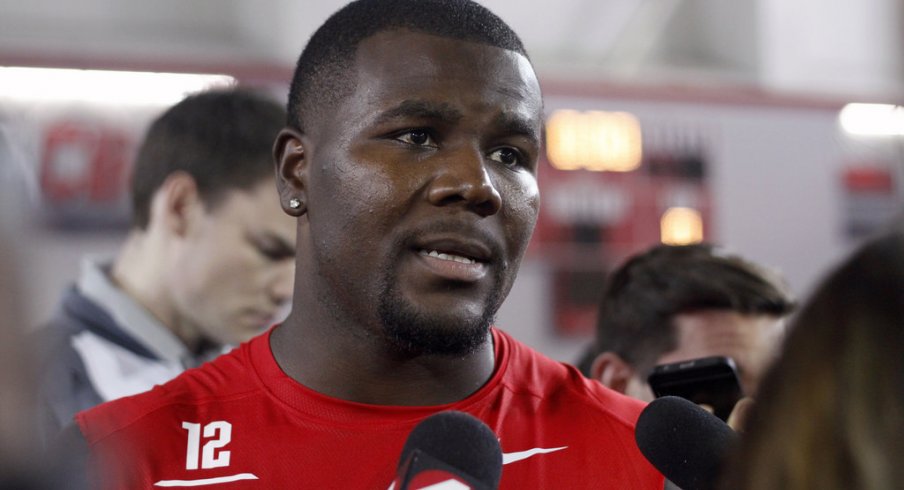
(410, 161)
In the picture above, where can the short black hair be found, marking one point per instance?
(222, 138)
(642, 296)
(322, 74)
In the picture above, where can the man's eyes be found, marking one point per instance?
(417, 137)
(508, 156)
(276, 255)
(275, 252)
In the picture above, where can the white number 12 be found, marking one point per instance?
(219, 433)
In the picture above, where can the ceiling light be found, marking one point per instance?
(872, 119)
(103, 86)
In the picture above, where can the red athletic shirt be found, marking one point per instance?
(240, 422)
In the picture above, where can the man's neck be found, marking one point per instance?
(353, 366)
(139, 270)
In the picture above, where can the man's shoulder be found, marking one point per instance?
(63, 324)
(558, 383)
(212, 385)
(63, 382)
(530, 369)
(551, 405)
(61, 370)
(74, 349)
(78, 315)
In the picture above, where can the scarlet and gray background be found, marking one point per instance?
(750, 87)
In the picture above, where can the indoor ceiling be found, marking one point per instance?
(838, 47)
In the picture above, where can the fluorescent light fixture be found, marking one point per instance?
(872, 119)
(103, 86)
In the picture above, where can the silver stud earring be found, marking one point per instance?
(294, 203)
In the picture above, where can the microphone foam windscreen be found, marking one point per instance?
(459, 440)
(684, 442)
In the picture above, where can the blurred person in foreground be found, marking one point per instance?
(675, 303)
(207, 264)
(20, 465)
(830, 412)
(410, 161)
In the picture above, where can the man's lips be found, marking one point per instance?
(453, 267)
(457, 249)
(445, 256)
(262, 318)
(455, 259)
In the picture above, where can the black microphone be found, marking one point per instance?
(684, 442)
(451, 448)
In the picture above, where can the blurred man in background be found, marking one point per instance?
(676, 303)
(208, 262)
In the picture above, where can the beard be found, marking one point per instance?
(412, 331)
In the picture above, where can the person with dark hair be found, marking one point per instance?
(207, 264)
(830, 412)
(410, 161)
(675, 303)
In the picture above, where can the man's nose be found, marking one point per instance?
(462, 179)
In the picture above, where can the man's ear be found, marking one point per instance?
(612, 371)
(291, 171)
(176, 204)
